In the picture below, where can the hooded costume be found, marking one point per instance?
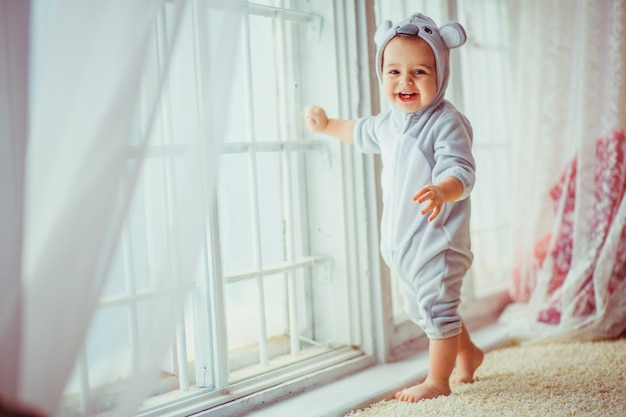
(418, 149)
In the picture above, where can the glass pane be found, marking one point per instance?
(265, 75)
(116, 283)
(110, 331)
(242, 314)
(235, 213)
(271, 207)
(485, 74)
(134, 236)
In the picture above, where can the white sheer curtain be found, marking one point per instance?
(570, 239)
(60, 226)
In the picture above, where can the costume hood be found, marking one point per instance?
(441, 40)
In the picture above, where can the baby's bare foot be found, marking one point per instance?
(424, 391)
(466, 364)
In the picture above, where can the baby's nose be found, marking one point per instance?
(406, 79)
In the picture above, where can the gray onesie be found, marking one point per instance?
(417, 149)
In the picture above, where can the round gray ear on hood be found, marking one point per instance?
(382, 32)
(453, 34)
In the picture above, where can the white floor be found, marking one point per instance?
(369, 386)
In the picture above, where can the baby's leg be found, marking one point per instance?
(442, 355)
(468, 359)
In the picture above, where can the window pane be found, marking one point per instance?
(485, 75)
(235, 213)
(271, 198)
(265, 63)
(275, 307)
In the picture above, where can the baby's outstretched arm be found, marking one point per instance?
(317, 121)
(448, 189)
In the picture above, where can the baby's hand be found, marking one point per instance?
(434, 195)
(316, 118)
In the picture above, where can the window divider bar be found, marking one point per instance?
(318, 145)
(254, 196)
(276, 146)
(181, 354)
(275, 269)
(217, 314)
(279, 12)
(211, 350)
(84, 390)
(146, 294)
(288, 191)
(313, 21)
(131, 288)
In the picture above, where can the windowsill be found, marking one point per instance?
(245, 396)
(370, 385)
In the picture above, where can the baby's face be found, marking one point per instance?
(409, 73)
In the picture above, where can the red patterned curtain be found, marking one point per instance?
(569, 277)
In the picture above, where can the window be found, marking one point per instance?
(485, 61)
(279, 292)
(290, 281)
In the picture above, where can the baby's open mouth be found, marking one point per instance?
(407, 96)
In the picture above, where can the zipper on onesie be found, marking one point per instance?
(407, 121)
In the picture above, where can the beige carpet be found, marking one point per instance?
(568, 379)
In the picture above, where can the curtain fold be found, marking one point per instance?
(81, 114)
(14, 29)
(570, 171)
(73, 185)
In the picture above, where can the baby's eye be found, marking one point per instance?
(419, 72)
(394, 72)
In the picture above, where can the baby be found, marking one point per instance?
(428, 173)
